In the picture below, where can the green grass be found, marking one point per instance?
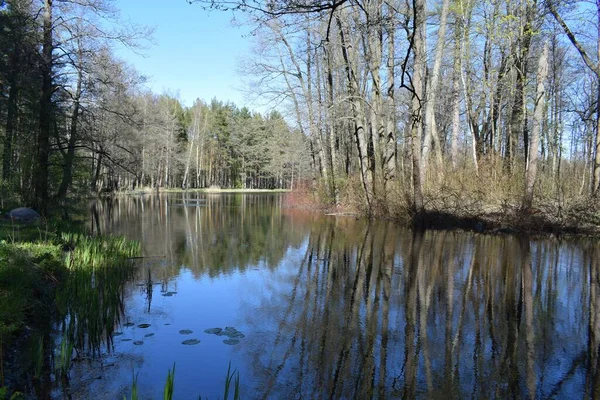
(54, 271)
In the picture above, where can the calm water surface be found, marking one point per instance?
(335, 307)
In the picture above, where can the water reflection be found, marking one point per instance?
(345, 308)
(387, 313)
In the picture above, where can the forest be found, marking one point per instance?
(386, 106)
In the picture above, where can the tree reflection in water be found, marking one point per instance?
(373, 311)
(349, 308)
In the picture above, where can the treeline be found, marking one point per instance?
(419, 103)
(74, 118)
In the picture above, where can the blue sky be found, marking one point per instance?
(195, 53)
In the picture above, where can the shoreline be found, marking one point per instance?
(193, 190)
(508, 221)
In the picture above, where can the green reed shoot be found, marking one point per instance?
(38, 357)
(64, 357)
(134, 388)
(169, 385)
(235, 376)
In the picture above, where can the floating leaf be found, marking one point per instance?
(144, 326)
(186, 332)
(125, 340)
(117, 333)
(128, 324)
(138, 342)
(190, 342)
(213, 331)
(149, 335)
(231, 342)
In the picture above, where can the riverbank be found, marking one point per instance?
(45, 280)
(575, 217)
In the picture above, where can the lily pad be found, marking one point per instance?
(138, 342)
(231, 342)
(213, 331)
(125, 340)
(168, 294)
(190, 342)
(167, 323)
(117, 333)
(128, 324)
(228, 331)
(186, 332)
(237, 335)
(149, 335)
(144, 326)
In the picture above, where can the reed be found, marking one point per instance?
(63, 363)
(235, 377)
(91, 302)
(169, 384)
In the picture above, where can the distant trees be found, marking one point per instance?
(74, 118)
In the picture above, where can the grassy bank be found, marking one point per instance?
(46, 283)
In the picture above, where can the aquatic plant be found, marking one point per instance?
(134, 388)
(90, 302)
(231, 377)
(37, 356)
(235, 376)
(169, 384)
(63, 363)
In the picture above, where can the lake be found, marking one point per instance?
(314, 306)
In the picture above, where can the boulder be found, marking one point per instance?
(23, 214)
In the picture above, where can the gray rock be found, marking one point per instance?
(23, 214)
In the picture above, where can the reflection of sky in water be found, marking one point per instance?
(335, 307)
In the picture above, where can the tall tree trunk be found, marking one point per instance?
(373, 54)
(432, 92)
(332, 123)
(11, 115)
(360, 133)
(389, 141)
(538, 120)
(94, 185)
(43, 138)
(596, 182)
(69, 156)
(517, 124)
(456, 81)
(416, 117)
